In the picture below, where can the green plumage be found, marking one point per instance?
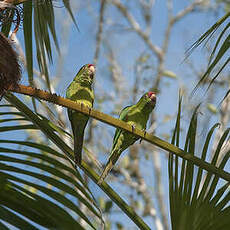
(80, 90)
(136, 115)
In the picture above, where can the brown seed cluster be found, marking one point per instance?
(10, 71)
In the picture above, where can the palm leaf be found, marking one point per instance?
(55, 180)
(51, 134)
(34, 207)
(214, 60)
(44, 29)
(67, 6)
(43, 198)
(197, 199)
(43, 23)
(27, 29)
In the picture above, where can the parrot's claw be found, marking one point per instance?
(144, 136)
(133, 128)
(90, 109)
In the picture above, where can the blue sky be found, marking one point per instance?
(79, 47)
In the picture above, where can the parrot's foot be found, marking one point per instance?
(90, 109)
(133, 128)
(144, 136)
(82, 105)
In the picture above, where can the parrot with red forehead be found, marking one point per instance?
(136, 115)
(80, 90)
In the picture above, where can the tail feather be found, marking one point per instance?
(110, 164)
(78, 144)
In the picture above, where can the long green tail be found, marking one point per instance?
(110, 164)
(78, 144)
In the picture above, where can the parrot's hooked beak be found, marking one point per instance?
(92, 69)
(152, 96)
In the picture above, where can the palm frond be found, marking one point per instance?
(39, 185)
(34, 207)
(43, 23)
(67, 6)
(28, 36)
(224, 47)
(41, 13)
(52, 135)
(197, 198)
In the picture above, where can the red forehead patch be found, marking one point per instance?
(89, 65)
(150, 94)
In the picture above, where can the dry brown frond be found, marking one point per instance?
(10, 71)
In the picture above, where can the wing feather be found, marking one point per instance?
(122, 116)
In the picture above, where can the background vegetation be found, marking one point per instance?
(137, 46)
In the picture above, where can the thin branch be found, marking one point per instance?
(15, 2)
(53, 98)
(146, 7)
(159, 188)
(95, 60)
(187, 10)
(141, 187)
(99, 33)
(172, 20)
(136, 27)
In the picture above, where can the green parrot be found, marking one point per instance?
(80, 90)
(136, 115)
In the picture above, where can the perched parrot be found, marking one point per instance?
(80, 90)
(136, 115)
